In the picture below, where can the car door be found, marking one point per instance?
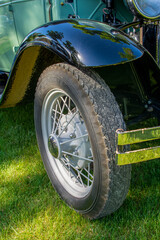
(28, 14)
(8, 36)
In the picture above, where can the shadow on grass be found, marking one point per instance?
(17, 134)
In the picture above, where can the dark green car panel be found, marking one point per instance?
(23, 9)
(8, 36)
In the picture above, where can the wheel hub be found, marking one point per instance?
(53, 146)
(69, 141)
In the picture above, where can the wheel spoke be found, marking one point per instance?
(72, 170)
(67, 105)
(54, 123)
(60, 109)
(80, 157)
(69, 166)
(74, 139)
(88, 171)
(56, 111)
(80, 178)
(61, 112)
(80, 172)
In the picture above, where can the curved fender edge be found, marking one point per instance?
(82, 43)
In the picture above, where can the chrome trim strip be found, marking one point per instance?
(137, 156)
(138, 136)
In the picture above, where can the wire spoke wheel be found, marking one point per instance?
(76, 117)
(67, 142)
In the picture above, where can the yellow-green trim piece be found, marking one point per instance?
(138, 156)
(138, 136)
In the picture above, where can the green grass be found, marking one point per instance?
(31, 209)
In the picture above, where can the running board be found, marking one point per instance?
(137, 136)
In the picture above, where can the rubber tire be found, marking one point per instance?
(102, 117)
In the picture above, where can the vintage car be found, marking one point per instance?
(92, 69)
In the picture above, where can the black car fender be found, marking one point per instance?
(82, 43)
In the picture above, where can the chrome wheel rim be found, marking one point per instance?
(67, 143)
